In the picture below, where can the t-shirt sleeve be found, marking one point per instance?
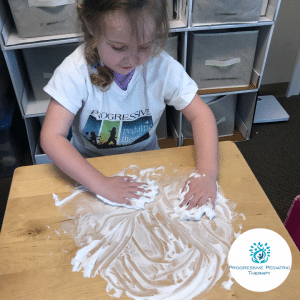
(68, 86)
(180, 88)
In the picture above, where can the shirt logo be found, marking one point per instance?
(117, 130)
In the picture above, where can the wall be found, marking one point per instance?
(284, 45)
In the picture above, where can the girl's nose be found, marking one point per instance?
(133, 59)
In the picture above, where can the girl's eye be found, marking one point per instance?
(119, 49)
(123, 48)
(144, 48)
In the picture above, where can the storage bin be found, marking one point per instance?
(41, 62)
(229, 11)
(224, 109)
(170, 9)
(172, 46)
(208, 99)
(264, 7)
(221, 59)
(35, 18)
(161, 129)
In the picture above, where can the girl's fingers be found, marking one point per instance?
(193, 202)
(187, 199)
(185, 186)
(126, 201)
(127, 178)
(202, 201)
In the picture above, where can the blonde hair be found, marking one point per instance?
(91, 11)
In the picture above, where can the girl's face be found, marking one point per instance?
(119, 49)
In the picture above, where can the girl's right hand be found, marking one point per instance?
(120, 189)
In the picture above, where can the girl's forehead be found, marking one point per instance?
(117, 27)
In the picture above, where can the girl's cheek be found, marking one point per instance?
(144, 56)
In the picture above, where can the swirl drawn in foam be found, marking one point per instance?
(150, 253)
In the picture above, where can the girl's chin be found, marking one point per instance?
(124, 71)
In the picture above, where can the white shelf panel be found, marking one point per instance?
(228, 93)
(31, 106)
(40, 157)
(177, 25)
(12, 41)
(263, 22)
(36, 108)
(268, 109)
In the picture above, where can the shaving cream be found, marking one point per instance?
(149, 253)
(137, 203)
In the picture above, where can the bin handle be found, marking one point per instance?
(221, 120)
(49, 3)
(223, 63)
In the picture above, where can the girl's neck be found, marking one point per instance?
(122, 80)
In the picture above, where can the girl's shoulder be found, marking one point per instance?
(78, 54)
(162, 57)
(163, 61)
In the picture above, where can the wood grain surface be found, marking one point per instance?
(35, 255)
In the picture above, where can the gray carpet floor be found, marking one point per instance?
(273, 154)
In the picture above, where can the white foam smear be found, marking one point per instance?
(149, 253)
(227, 284)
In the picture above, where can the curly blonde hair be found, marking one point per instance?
(91, 11)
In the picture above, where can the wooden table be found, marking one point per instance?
(33, 265)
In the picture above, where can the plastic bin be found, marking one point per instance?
(172, 46)
(41, 62)
(35, 18)
(161, 129)
(229, 11)
(170, 9)
(224, 109)
(222, 59)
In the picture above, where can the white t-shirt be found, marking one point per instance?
(118, 121)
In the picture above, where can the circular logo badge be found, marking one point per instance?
(260, 260)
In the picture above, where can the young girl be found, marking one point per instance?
(113, 90)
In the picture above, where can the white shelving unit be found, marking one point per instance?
(32, 109)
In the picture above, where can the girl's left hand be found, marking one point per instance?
(201, 190)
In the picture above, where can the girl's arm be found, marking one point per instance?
(55, 144)
(205, 136)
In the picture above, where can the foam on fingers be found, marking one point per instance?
(137, 203)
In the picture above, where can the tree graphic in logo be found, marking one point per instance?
(260, 253)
